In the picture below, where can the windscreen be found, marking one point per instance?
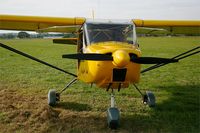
(109, 32)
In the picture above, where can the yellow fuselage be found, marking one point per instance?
(119, 71)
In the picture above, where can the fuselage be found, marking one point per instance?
(116, 40)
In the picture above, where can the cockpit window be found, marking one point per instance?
(109, 32)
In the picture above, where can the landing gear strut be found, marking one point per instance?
(54, 96)
(113, 114)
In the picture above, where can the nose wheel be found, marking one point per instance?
(113, 114)
(113, 118)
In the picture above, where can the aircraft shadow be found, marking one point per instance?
(74, 106)
(178, 113)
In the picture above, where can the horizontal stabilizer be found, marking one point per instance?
(72, 41)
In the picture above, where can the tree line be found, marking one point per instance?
(23, 34)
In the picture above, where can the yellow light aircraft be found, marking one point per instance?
(108, 54)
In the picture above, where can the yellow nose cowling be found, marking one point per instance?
(120, 58)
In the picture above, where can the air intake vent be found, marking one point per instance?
(119, 75)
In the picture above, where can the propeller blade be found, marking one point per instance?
(178, 57)
(35, 59)
(89, 56)
(151, 60)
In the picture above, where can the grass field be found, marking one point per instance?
(24, 85)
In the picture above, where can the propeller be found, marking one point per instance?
(151, 60)
(177, 57)
(108, 57)
(89, 56)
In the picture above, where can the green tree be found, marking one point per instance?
(23, 34)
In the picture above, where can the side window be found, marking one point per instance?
(80, 42)
(84, 39)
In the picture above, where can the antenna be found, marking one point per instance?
(93, 14)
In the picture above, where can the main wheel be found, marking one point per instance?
(149, 99)
(52, 97)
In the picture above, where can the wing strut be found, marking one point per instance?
(178, 57)
(35, 59)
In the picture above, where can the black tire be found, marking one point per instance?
(151, 100)
(52, 97)
(113, 117)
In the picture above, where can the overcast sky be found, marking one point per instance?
(112, 9)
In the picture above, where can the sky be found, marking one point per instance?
(107, 9)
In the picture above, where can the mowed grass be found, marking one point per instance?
(24, 85)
